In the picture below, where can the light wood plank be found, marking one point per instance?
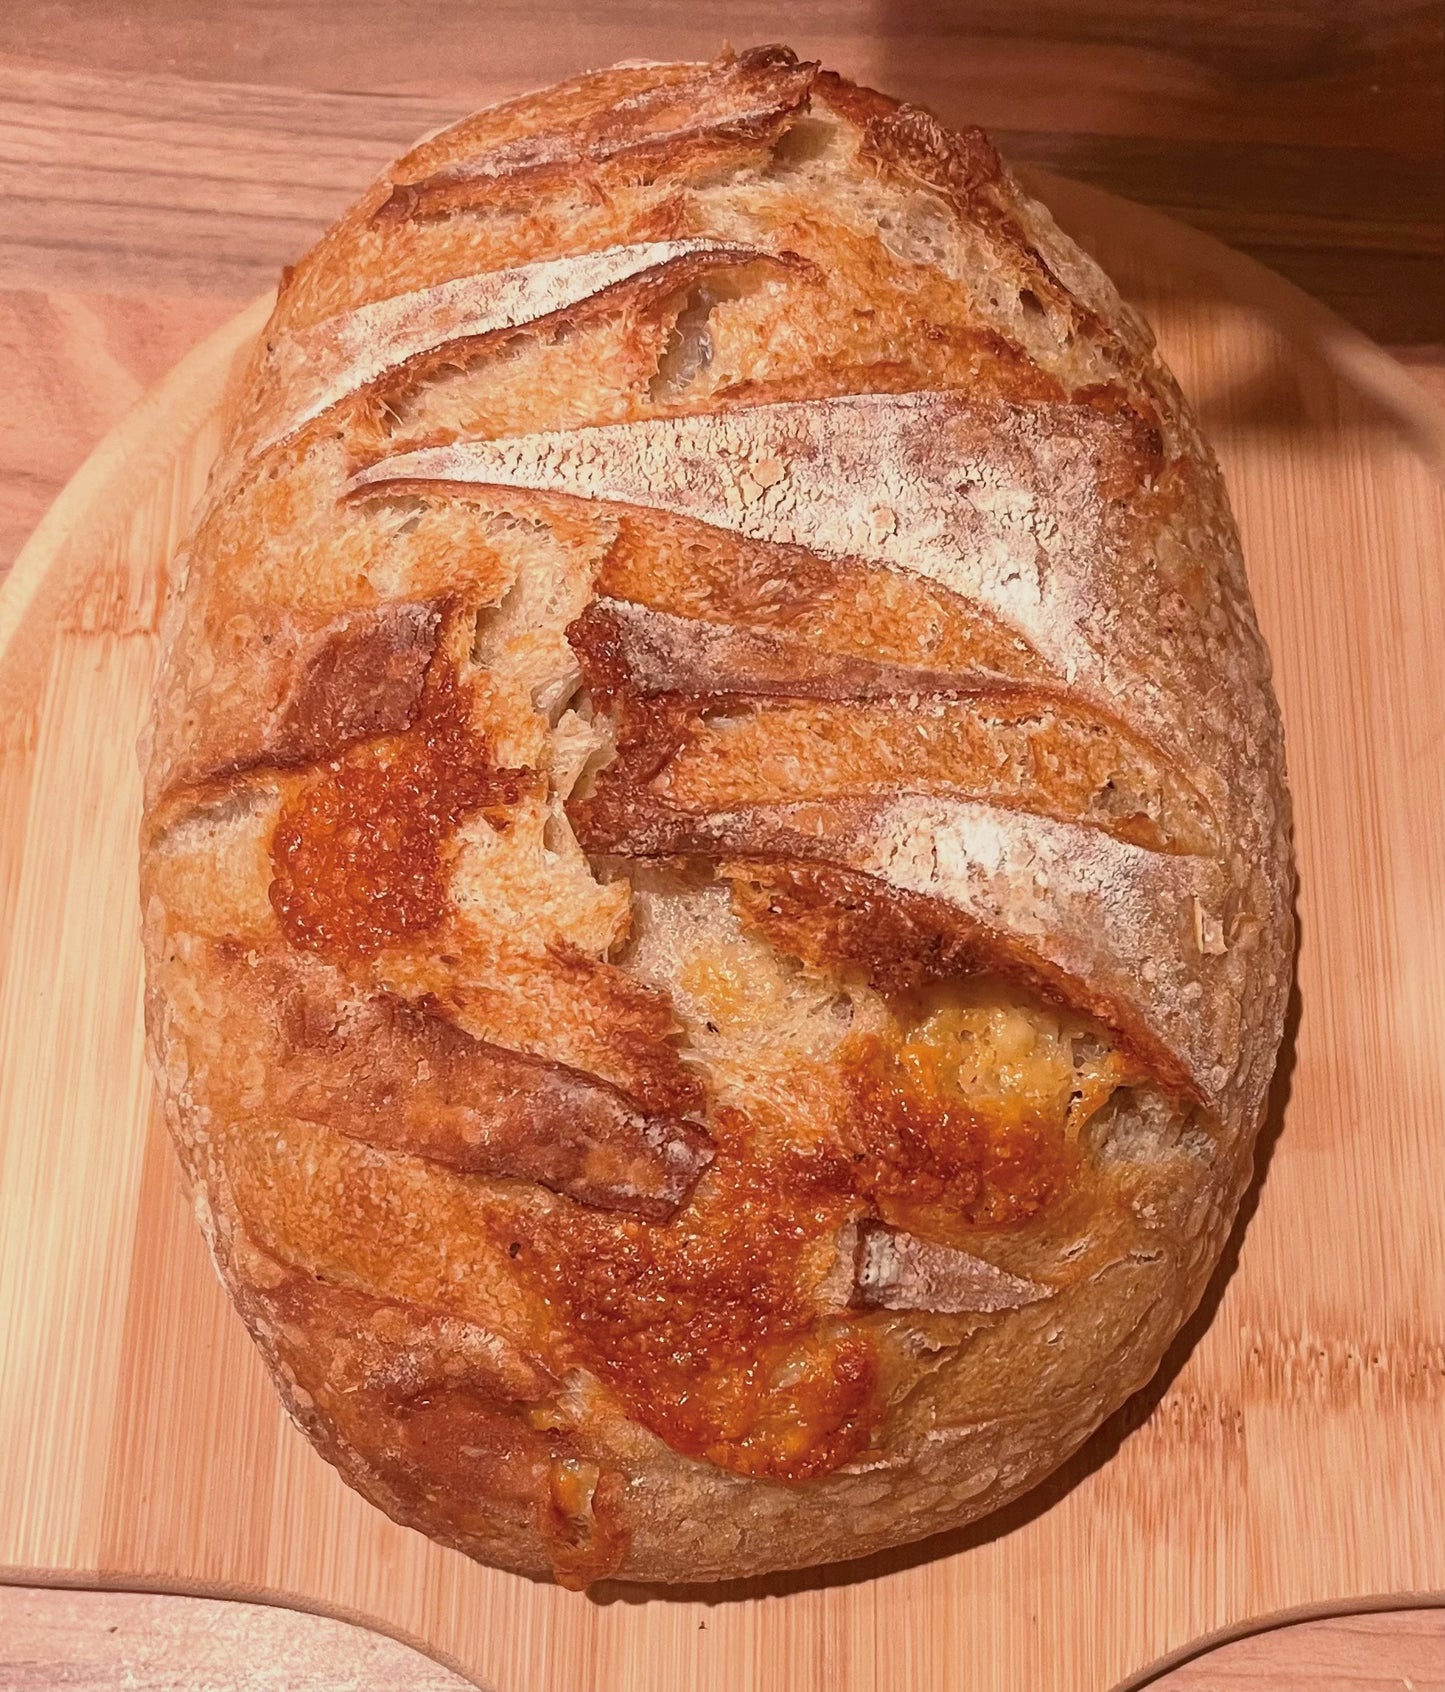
(74, 364)
(148, 1642)
(1391, 1651)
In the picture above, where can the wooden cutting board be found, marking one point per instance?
(1291, 1452)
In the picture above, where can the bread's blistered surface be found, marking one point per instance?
(715, 881)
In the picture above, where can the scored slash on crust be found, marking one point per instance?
(722, 106)
(998, 502)
(1105, 923)
(405, 1076)
(662, 653)
(1001, 504)
(308, 371)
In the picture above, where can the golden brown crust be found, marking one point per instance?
(402, 337)
(684, 123)
(725, 472)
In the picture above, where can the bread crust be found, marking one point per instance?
(710, 620)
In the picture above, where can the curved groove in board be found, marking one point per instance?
(162, 423)
(227, 1592)
(1385, 1603)
(1196, 1652)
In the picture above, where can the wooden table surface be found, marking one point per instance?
(160, 159)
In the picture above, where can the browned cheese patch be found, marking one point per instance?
(709, 1327)
(360, 850)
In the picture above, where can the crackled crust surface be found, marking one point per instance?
(715, 865)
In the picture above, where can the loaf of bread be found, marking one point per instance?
(715, 868)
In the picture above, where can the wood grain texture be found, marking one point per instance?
(1311, 135)
(75, 363)
(1392, 1651)
(152, 1642)
(1289, 1453)
(149, 1642)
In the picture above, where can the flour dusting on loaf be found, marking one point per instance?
(715, 866)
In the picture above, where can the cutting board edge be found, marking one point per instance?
(1378, 1603)
(165, 417)
(238, 1592)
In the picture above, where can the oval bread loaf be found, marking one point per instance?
(715, 872)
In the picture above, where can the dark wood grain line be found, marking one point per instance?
(1325, 74)
(140, 184)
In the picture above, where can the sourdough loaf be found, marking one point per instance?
(715, 876)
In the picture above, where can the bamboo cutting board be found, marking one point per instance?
(1291, 1452)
